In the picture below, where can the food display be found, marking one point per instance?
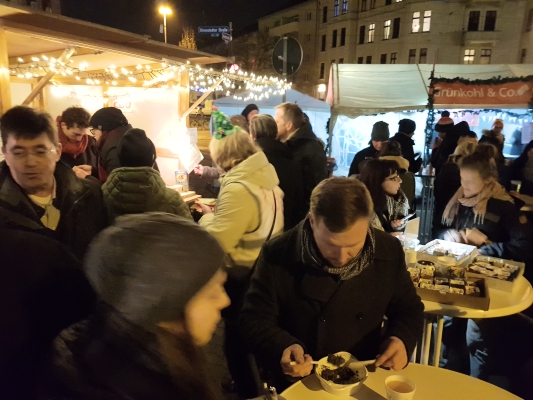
(423, 278)
(457, 253)
(340, 376)
(490, 269)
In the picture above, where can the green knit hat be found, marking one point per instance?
(222, 125)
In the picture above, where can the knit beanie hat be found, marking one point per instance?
(380, 132)
(222, 125)
(148, 266)
(406, 126)
(107, 119)
(135, 149)
(248, 109)
(445, 123)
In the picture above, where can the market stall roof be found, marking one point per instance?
(307, 103)
(362, 89)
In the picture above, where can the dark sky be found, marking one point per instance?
(142, 17)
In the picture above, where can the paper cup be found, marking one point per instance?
(399, 388)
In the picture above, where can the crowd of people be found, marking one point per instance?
(111, 284)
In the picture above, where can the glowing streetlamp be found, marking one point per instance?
(165, 10)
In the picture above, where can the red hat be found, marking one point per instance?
(445, 123)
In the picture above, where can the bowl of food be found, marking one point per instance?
(337, 376)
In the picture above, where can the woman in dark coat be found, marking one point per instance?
(522, 170)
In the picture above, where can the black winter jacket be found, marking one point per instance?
(307, 151)
(447, 182)
(355, 167)
(80, 202)
(290, 180)
(88, 157)
(288, 303)
(406, 143)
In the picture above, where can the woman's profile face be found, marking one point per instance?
(471, 182)
(391, 184)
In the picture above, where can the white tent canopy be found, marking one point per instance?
(363, 89)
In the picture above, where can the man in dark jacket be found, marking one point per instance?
(40, 193)
(325, 287)
(380, 135)
(295, 131)
(78, 148)
(406, 131)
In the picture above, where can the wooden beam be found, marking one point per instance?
(203, 97)
(55, 54)
(49, 75)
(184, 96)
(5, 81)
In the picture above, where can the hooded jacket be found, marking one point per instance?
(408, 153)
(309, 153)
(136, 190)
(108, 159)
(79, 201)
(245, 209)
(356, 166)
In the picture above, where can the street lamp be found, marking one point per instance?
(165, 10)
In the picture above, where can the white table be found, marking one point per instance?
(501, 305)
(432, 384)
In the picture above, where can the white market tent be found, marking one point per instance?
(318, 111)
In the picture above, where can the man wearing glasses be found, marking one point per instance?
(37, 192)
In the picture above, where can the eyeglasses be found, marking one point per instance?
(40, 154)
(394, 178)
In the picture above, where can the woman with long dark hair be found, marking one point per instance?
(522, 170)
(390, 204)
(159, 279)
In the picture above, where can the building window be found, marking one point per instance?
(412, 56)
(325, 14)
(485, 56)
(473, 20)
(372, 4)
(345, 6)
(529, 20)
(308, 37)
(416, 22)
(490, 20)
(306, 57)
(334, 39)
(388, 2)
(369, 59)
(336, 8)
(323, 47)
(523, 56)
(393, 58)
(322, 67)
(427, 21)
(359, 60)
(383, 59)
(469, 56)
(371, 29)
(308, 16)
(423, 57)
(341, 60)
(396, 28)
(363, 6)
(362, 29)
(343, 36)
(386, 30)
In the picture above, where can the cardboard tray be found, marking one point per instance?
(462, 262)
(495, 283)
(459, 300)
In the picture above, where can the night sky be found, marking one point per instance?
(142, 17)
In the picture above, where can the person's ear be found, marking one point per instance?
(59, 149)
(63, 126)
(312, 221)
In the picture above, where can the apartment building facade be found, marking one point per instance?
(404, 31)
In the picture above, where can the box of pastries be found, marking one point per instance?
(501, 274)
(462, 253)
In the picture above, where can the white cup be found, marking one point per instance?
(399, 388)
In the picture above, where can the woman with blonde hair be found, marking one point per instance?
(248, 212)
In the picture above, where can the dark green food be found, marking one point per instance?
(335, 360)
(341, 375)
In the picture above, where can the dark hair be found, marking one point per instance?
(263, 126)
(373, 175)
(521, 161)
(340, 202)
(470, 134)
(76, 116)
(482, 161)
(292, 112)
(26, 123)
(445, 114)
(390, 149)
(240, 121)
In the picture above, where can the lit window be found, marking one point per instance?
(423, 57)
(336, 8)
(416, 22)
(469, 56)
(393, 58)
(386, 29)
(344, 6)
(427, 21)
(485, 56)
(412, 56)
(371, 29)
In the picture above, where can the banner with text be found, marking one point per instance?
(511, 93)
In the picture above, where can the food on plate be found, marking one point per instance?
(340, 376)
(492, 269)
(336, 360)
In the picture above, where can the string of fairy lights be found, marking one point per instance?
(154, 76)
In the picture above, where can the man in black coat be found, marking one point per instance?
(406, 131)
(38, 192)
(380, 135)
(296, 132)
(326, 285)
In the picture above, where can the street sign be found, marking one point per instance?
(213, 30)
(287, 56)
(226, 37)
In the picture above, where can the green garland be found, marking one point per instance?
(497, 80)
